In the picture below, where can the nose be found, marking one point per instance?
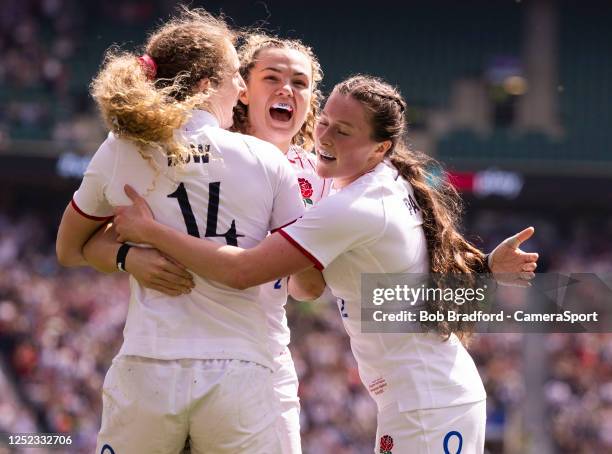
(284, 90)
(323, 136)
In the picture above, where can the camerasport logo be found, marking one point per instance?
(306, 189)
(386, 444)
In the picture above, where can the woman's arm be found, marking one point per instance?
(89, 208)
(100, 251)
(239, 268)
(148, 266)
(73, 233)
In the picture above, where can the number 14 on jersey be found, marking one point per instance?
(214, 191)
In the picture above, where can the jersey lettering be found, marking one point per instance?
(190, 222)
(202, 156)
(411, 204)
(342, 309)
(214, 190)
(231, 236)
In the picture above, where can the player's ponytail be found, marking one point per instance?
(441, 207)
(144, 99)
(134, 109)
(449, 251)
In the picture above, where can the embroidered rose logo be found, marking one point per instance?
(306, 189)
(386, 444)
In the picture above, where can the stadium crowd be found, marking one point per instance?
(44, 73)
(59, 330)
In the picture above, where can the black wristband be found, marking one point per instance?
(121, 256)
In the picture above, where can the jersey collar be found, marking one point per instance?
(382, 168)
(392, 168)
(200, 118)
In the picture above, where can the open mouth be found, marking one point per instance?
(325, 156)
(281, 111)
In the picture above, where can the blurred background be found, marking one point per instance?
(513, 96)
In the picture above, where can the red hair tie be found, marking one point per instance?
(149, 66)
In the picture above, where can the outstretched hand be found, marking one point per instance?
(131, 221)
(508, 258)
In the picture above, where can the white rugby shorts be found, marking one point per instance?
(153, 406)
(451, 430)
(286, 388)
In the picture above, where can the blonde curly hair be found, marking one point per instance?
(189, 47)
(248, 52)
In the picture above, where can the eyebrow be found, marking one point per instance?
(345, 123)
(350, 125)
(276, 70)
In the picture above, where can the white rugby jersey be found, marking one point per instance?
(274, 294)
(373, 225)
(238, 190)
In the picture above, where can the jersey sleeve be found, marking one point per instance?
(335, 225)
(288, 205)
(90, 199)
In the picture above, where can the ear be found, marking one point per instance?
(383, 147)
(203, 85)
(244, 97)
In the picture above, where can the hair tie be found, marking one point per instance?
(149, 66)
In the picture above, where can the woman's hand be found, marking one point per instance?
(131, 222)
(150, 268)
(156, 271)
(509, 263)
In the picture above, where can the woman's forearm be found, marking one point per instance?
(205, 258)
(235, 267)
(271, 259)
(101, 250)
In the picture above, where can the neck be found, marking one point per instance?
(283, 146)
(340, 183)
(343, 182)
(215, 113)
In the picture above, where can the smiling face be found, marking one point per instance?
(343, 141)
(278, 94)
